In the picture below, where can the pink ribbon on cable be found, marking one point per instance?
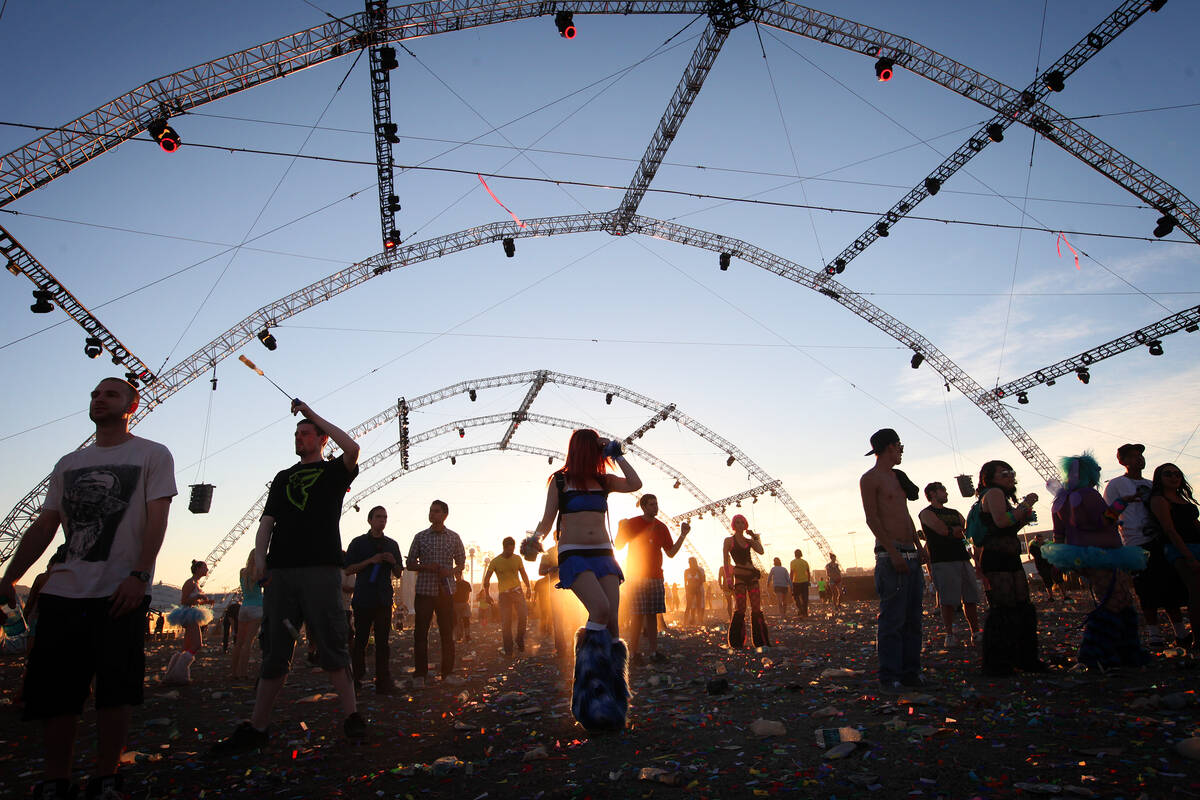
(509, 210)
(1057, 245)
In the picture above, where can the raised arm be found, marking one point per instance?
(684, 530)
(629, 482)
(340, 437)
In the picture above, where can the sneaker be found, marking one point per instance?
(55, 790)
(418, 682)
(106, 788)
(891, 687)
(245, 738)
(355, 727)
(917, 682)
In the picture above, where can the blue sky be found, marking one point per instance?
(796, 381)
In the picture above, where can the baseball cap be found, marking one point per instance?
(880, 440)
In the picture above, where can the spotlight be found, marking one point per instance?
(933, 186)
(1166, 224)
(510, 248)
(882, 229)
(1084, 376)
(471, 394)
(995, 132)
(729, 461)
(453, 460)
(883, 69)
(393, 239)
(1156, 348)
(1054, 81)
(549, 459)
(1051, 382)
(132, 377)
(755, 500)
(165, 135)
(356, 508)
(608, 399)
(267, 339)
(1192, 328)
(724, 261)
(462, 433)
(1022, 398)
(738, 504)
(387, 58)
(676, 484)
(92, 347)
(839, 265)
(565, 22)
(388, 130)
(916, 361)
(42, 304)
(393, 204)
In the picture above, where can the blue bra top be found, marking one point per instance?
(576, 500)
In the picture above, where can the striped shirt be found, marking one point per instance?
(441, 548)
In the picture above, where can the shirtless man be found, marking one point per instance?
(899, 579)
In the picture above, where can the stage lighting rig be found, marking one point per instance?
(1166, 224)
(92, 348)
(995, 132)
(884, 69)
(268, 339)
(724, 261)
(42, 304)
(916, 361)
(510, 247)
(933, 186)
(565, 22)
(165, 135)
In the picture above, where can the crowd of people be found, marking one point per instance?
(1135, 547)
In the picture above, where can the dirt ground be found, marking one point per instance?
(507, 731)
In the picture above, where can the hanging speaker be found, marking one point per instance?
(201, 500)
(966, 486)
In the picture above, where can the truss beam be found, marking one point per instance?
(646, 426)
(703, 57)
(1096, 39)
(1147, 336)
(993, 94)
(725, 502)
(518, 417)
(21, 262)
(381, 108)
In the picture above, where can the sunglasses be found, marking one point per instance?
(1006, 473)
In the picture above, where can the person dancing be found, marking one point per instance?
(1174, 507)
(191, 616)
(249, 618)
(577, 496)
(1086, 539)
(1010, 629)
(745, 584)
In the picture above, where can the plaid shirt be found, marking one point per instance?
(443, 549)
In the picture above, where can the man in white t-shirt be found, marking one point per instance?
(112, 499)
(1157, 586)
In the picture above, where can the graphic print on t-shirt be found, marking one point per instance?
(94, 501)
(299, 483)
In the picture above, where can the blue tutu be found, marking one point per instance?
(182, 616)
(1072, 556)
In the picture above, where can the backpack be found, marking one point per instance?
(976, 530)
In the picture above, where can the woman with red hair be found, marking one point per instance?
(736, 554)
(577, 497)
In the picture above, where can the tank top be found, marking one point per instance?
(739, 554)
(1186, 519)
(944, 548)
(251, 592)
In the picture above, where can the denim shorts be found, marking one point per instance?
(574, 563)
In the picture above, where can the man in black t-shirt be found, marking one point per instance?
(298, 550)
(944, 532)
(374, 559)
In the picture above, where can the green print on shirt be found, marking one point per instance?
(299, 482)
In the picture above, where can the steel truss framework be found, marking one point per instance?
(77, 142)
(538, 379)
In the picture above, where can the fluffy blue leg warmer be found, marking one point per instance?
(593, 701)
(620, 676)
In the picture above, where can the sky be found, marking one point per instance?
(149, 242)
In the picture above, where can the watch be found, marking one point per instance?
(141, 575)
